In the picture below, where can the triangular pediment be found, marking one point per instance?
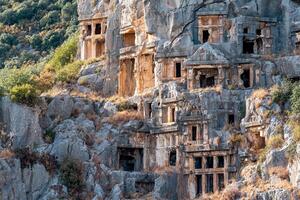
(208, 54)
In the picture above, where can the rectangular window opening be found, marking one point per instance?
(194, 133)
(198, 162)
(98, 29)
(220, 161)
(209, 162)
(178, 70)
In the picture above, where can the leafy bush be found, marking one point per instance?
(126, 105)
(281, 94)
(25, 94)
(8, 38)
(295, 100)
(10, 77)
(69, 72)
(71, 174)
(65, 54)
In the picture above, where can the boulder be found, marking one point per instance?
(60, 107)
(69, 141)
(275, 158)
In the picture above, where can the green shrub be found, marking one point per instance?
(53, 39)
(69, 72)
(8, 38)
(126, 105)
(10, 77)
(25, 94)
(65, 54)
(281, 94)
(36, 41)
(295, 100)
(71, 174)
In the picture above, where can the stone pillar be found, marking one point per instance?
(215, 176)
(205, 133)
(191, 163)
(203, 183)
(226, 165)
(190, 79)
(192, 186)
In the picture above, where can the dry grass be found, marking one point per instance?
(275, 141)
(260, 93)
(124, 116)
(281, 172)
(296, 131)
(217, 89)
(6, 154)
(236, 139)
(116, 99)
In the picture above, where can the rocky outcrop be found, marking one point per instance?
(21, 123)
(294, 169)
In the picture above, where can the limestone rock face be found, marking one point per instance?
(69, 139)
(11, 184)
(294, 170)
(278, 194)
(21, 123)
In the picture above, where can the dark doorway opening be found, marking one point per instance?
(248, 46)
(178, 70)
(130, 159)
(172, 158)
(149, 109)
(194, 133)
(246, 30)
(173, 112)
(245, 76)
(258, 32)
(98, 29)
(231, 119)
(199, 184)
(209, 162)
(205, 36)
(221, 184)
(209, 183)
